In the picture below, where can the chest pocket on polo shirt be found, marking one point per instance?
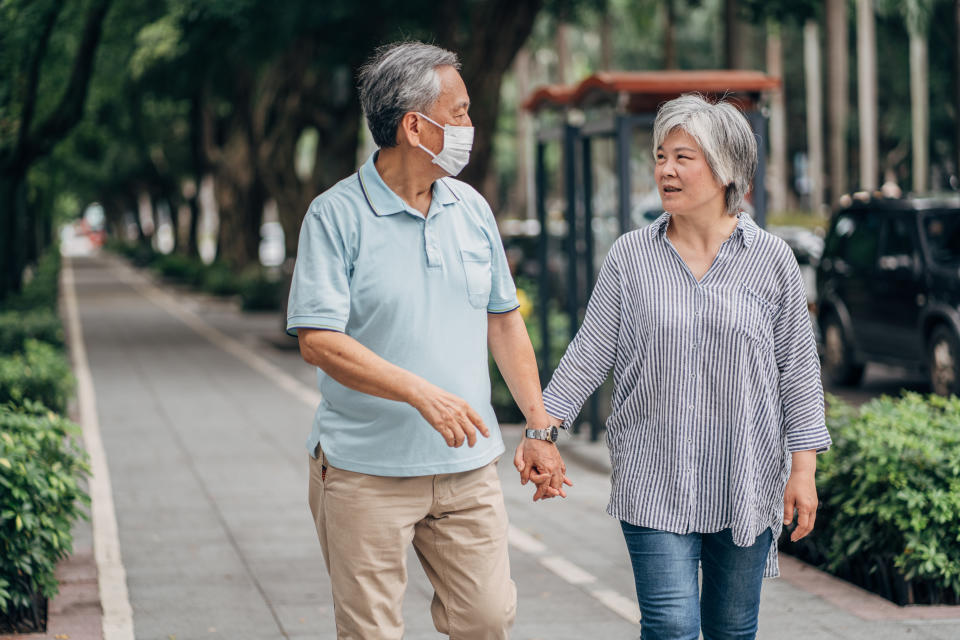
(755, 318)
(478, 274)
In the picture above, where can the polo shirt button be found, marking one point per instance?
(690, 407)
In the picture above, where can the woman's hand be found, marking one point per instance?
(800, 494)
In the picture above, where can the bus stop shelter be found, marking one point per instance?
(594, 174)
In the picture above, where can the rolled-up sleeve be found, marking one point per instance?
(320, 289)
(801, 389)
(592, 352)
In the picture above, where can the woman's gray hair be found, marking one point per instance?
(724, 135)
(398, 78)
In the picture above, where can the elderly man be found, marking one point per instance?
(400, 286)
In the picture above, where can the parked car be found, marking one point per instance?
(888, 288)
(807, 248)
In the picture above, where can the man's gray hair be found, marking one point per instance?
(724, 135)
(398, 78)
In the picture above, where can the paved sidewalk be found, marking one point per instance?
(208, 467)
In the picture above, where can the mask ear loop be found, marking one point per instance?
(432, 121)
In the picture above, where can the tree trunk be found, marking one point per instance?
(32, 143)
(240, 198)
(669, 34)
(486, 56)
(919, 110)
(838, 94)
(731, 35)
(867, 93)
(563, 52)
(522, 201)
(812, 76)
(606, 39)
(777, 175)
(13, 214)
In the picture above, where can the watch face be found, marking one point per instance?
(554, 434)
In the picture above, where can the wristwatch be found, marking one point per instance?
(550, 434)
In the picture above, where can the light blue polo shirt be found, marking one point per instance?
(414, 290)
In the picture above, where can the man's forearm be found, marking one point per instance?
(510, 345)
(357, 367)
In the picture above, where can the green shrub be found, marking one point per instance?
(219, 280)
(143, 255)
(40, 373)
(890, 498)
(180, 268)
(41, 464)
(16, 327)
(259, 291)
(40, 285)
(121, 247)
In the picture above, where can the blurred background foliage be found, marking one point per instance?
(206, 118)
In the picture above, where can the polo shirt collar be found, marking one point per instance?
(384, 202)
(746, 228)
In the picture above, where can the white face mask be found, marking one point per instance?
(457, 143)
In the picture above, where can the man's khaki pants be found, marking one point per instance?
(457, 523)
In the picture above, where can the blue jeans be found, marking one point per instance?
(665, 570)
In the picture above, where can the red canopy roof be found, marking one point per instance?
(645, 90)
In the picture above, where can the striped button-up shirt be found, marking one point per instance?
(716, 382)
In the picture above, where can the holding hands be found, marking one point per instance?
(539, 461)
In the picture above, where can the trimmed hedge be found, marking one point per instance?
(259, 290)
(40, 373)
(890, 498)
(40, 287)
(17, 327)
(41, 464)
(180, 268)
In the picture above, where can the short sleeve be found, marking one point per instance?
(320, 290)
(503, 291)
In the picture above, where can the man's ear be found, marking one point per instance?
(409, 129)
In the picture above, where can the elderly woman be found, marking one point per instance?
(717, 406)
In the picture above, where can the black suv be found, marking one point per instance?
(888, 289)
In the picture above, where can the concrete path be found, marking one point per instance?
(203, 421)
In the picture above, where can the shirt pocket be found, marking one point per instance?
(478, 273)
(755, 318)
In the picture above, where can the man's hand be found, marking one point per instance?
(450, 415)
(540, 462)
(800, 494)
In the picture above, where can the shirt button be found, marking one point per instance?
(690, 407)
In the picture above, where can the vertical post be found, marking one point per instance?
(919, 108)
(570, 134)
(867, 93)
(587, 168)
(777, 173)
(811, 65)
(543, 293)
(838, 94)
(758, 124)
(624, 129)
